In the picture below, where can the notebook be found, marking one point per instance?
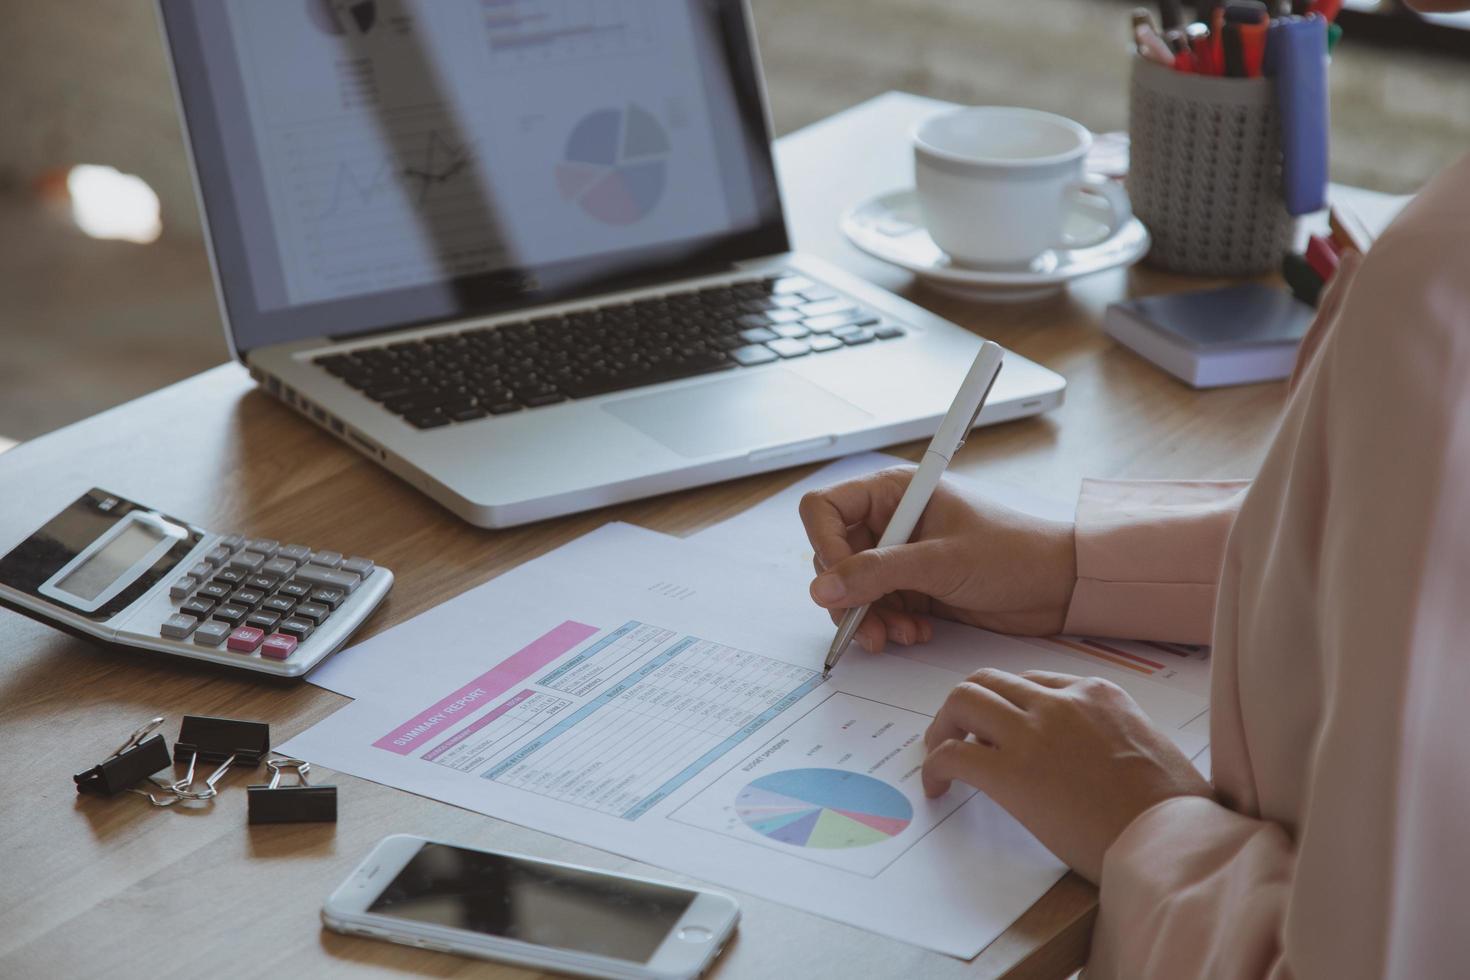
(1213, 337)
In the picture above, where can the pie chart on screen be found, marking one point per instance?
(823, 808)
(615, 164)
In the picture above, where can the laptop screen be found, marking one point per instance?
(372, 164)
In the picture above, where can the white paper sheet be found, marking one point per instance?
(772, 529)
(662, 700)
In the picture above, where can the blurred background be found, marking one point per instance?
(89, 322)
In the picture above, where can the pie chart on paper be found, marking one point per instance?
(615, 164)
(823, 808)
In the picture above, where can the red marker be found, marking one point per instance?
(1322, 257)
(1179, 45)
(1253, 47)
(1329, 9)
(1202, 48)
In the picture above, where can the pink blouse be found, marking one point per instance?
(1338, 588)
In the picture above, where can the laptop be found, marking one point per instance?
(530, 255)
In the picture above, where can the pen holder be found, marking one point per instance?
(1205, 172)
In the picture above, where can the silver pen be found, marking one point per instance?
(961, 417)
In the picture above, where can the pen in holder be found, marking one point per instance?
(1205, 174)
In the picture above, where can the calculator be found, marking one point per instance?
(110, 569)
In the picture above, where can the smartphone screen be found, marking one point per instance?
(562, 908)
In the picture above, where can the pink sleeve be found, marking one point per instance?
(1338, 722)
(1149, 556)
(1215, 903)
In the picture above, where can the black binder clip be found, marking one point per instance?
(301, 803)
(134, 761)
(222, 740)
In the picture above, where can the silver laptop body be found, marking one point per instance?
(371, 298)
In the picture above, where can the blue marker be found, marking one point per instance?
(1296, 56)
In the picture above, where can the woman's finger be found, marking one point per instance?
(973, 710)
(872, 633)
(1050, 678)
(902, 627)
(1013, 687)
(966, 761)
(828, 513)
(860, 538)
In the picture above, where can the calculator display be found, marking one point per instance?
(92, 577)
(75, 560)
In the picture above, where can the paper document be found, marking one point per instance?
(773, 528)
(664, 701)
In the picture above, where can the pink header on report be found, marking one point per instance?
(485, 688)
(478, 724)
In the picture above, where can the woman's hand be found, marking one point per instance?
(969, 560)
(1074, 759)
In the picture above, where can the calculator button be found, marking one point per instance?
(314, 611)
(233, 542)
(230, 576)
(182, 588)
(197, 606)
(247, 597)
(218, 556)
(178, 627)
(214, 590)
(294, 552)
(230, 613)
(245, 639)
(317, 575)
(264, 620)
(278, 646)
(358, 566)
(296, 589)
(297, 627)
(212, 633)
(331, 598)
(201, 571)
(278, 566)
(263, 546)
(278, 604)
(261, 582)
(330, 559)
(248, 561)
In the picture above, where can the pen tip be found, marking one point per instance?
(826, 672)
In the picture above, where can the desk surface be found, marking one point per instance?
(92, 886)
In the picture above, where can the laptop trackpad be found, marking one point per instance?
(756, 409)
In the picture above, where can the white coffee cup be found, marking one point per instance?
(996, 184)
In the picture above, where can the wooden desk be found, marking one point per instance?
(92, 886)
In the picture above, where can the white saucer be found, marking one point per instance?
(888, 227)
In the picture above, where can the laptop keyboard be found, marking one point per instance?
(529, 364)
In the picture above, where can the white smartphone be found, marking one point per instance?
(530, 912)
